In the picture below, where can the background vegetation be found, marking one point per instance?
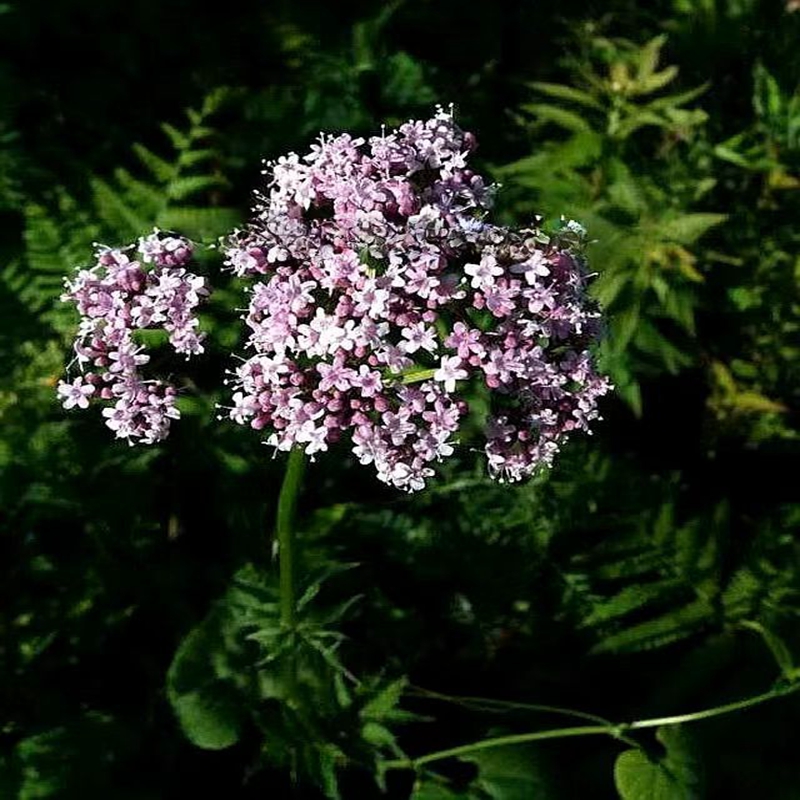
(655, 570)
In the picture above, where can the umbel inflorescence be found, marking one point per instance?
(117, 297)
(384, 297)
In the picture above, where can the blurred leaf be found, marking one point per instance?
(509, 773)
(571, 120)
(767, 97)
(570, 93)
(688, 228)
(206, 706)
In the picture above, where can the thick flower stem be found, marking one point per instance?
(284, 532)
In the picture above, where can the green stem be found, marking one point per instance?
(499, 741)
(491, 705)
(716, 711)
(284, 532)
(616, 731)
(416, 375)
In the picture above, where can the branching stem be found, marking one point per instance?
(617, 731)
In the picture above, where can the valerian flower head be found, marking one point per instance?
(117, 297)
(383, 296)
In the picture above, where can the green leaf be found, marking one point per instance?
(649, 56)
(405, 81)
(570, 93)
(510, 773)
(571, 120)
(767, 97)
(385, 701)
(779, 649)
(116, 213)
(180, 141)
(656, 81)
(211, 717)
(199, 223)
(377, 735)
(623, 328)
(669, 627)
(162, 170)
(677, 99)
(181, 188)
(673, 777)
(688, 228)
(205, 704)
(430, 790)
(74, 760)
(627, 600)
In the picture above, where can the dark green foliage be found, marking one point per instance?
(655, 571)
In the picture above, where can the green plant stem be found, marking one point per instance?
(716, 711)
(285, 531)
(617, 731)
(491, 705)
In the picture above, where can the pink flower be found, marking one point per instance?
(117, 297)
(372, 259)
(535, 267)
(419, 336)
(76, 393)
(449, 372)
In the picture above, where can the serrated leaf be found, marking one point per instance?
(191, 158)
(385, 701)
(179, 140)
(672, 626)
(116, 213)
(162, 170)
(181, 188)
(631, 598)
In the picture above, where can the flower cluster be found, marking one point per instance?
(382, 292)
(117, 297)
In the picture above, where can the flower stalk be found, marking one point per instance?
(285, 535)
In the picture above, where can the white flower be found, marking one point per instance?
(534, 268)
(418, 335)
(76, 393)
(449, 372)
(483, 274)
